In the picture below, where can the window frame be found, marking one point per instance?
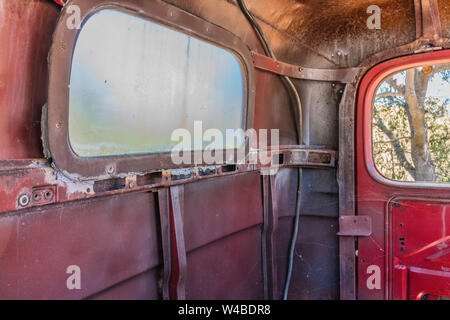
(55, 125)
(368, 88)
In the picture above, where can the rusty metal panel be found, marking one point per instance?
(110, 239)
(444, 12)
(25, 37)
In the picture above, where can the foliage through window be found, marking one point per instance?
(411, 123)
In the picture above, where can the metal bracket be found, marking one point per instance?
(428, 23)
(296, 156)
(344, 75)
(355, 226)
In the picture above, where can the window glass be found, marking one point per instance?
(411, 125)
(133, 82)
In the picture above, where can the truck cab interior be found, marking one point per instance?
(225, 149)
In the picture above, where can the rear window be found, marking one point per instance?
(133, 82)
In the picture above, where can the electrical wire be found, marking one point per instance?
(288, 82)
(299, 121)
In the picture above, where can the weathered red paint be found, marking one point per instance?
(25, 37)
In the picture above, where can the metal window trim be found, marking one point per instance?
(55, 122)
(366, 99)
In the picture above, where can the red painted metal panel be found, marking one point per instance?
(110, 239)
(374, 193)
(141, 287)
(420, 248)
(221, 207)
(227, 269)
(424, 282)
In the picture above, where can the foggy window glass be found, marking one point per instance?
(133, 82)
(411, 125)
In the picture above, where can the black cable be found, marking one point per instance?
(299, 122)
(257, 27)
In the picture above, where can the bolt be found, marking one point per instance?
(24, 200)
(58, 125)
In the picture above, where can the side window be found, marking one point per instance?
(134, 81)
(411, 125)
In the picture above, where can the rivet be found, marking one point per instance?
(24, 200)
(58, 125)
(110, 169)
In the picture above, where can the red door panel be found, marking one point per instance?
(420, 248)
(384, 271)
